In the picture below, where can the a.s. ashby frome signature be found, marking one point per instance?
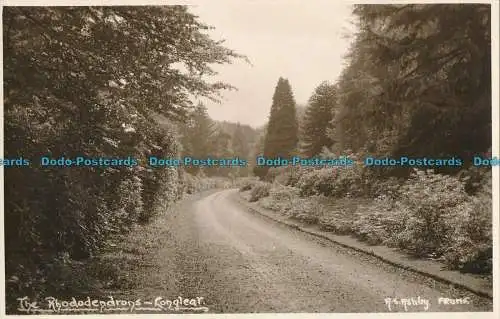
(424, 303)
(158, 304)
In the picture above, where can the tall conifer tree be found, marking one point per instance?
(317, 118)
(282, 132)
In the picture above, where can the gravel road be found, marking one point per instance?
(241, 262)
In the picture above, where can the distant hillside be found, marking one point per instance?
(230, 128)
(301, 109)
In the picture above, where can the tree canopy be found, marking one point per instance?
(417, 81)
(90, 81)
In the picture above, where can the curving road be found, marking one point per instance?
(241, 262)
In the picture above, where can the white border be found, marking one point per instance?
(201, 2)
(495, 113)
(495, 8)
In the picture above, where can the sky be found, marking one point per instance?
(303, 42)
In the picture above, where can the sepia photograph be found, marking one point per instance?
(244, 157)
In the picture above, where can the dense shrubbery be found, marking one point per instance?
(130, 208)
(336, 222)
(70, 212)
(307, 181)
(200, 182)
(471, 247)
(277, 174)
(334, 182)
(307, 210)
(259, 190)
(245, 183)
(474, 178)
(429, 215)
(386, 187)
(245, 187)
(61, 101)
(433, 217)
(190, 183)
(374, 223)
(281, 198)
(431, 200)
(284, 193)
(436, 217)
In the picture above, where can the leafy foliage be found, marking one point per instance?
(417, 82)
(90, 81)
(429, 198)
(471, 247)
(259, 190)
(430, 216)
